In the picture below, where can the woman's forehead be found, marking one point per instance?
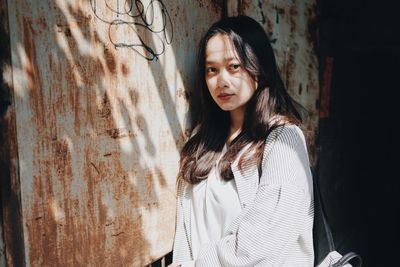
(220, 48)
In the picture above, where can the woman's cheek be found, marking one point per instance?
(211, 86)
(210, 82)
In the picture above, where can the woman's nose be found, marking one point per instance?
(223, 79)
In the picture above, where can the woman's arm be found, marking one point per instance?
(181, 247)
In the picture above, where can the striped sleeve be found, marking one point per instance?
(181, 248)
(268, 232)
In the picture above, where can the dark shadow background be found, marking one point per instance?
(359, 141)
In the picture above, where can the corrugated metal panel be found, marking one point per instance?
(101, 112)
(291, 26)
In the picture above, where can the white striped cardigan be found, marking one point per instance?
(274, 227)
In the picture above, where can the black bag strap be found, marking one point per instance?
(348, 256)
(322, 211)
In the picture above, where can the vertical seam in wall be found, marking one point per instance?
(13, 240)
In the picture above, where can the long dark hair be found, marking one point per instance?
(269, 107)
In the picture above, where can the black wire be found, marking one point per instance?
(142, 19)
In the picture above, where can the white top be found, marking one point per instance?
(215, 204)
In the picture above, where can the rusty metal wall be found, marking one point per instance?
(98, 112)
(292, 28)
(100, 91)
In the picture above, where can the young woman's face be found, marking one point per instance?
(230, 85)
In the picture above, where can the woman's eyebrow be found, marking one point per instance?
(225, 60)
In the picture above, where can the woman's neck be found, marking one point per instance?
(237, 117)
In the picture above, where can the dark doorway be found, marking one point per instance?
(359, 140)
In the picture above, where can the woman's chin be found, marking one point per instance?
(226, 108)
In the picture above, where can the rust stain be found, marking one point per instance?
(104, 111)
(74, 97)
(281, 11)
(124, 69)
(122, 186)
(312, 27)
(289, 68)
(243, 5)
(42, 22)
(218, 5)
(161, 177)
(79, 16)
(103, 220)
(181, 140)
(125, 227)
(149, 185)
(326, 88)
(52, 229)
(67, 32)
(88, 70)
(270, 28)
(64, 28)
(81, 20)
(37, 225)
(96, 37)
(62, 162)
(109, 57)
(91, 232)
(134, 97)
(35, 86)
(99, 68)
(42, 233)
(66, 234)
(293, 14)
(182, 93)
(117, 133)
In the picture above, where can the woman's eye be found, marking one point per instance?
(211, 70)
(235, 66)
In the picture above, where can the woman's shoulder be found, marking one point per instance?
(287, 133)
(287, 157)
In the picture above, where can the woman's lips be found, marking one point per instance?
(225, 96)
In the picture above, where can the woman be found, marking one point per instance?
(244, 186)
